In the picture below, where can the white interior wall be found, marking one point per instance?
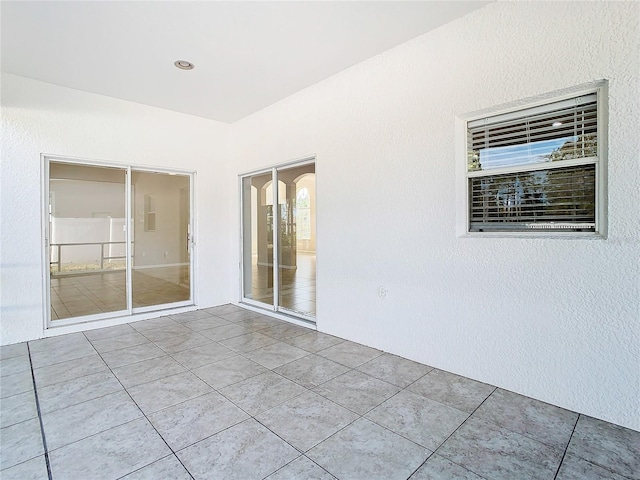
(555, 319)
(42, 118)
(162, 246)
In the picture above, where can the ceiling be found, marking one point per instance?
(247, 55)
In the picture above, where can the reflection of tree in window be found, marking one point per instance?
(303, 214)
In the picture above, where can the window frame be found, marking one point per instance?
(463, 174)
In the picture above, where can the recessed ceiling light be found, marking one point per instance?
(184, 65)
(556, 124)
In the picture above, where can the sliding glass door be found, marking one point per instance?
(87, 237)
(278, 239)
(297, 249)
(257, 204)
(161, 238)
(100, 264)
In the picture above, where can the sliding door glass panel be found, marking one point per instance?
(161, 241)
(257, 235)
(87, 240)
(297, 239)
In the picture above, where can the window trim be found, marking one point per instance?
(600, 88)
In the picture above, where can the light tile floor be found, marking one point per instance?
(225, 393)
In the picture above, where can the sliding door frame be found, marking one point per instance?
(275, 307)
(241, 177)
(190, 244)
(45, 160)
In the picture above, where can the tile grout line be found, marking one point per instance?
(566, 449)
(433, 452)
(262, 330)
(251, 416)
(524, 434)
(99, 354)
(515, 432)
(110, 369)
(146, 418)
(287, 464)
(453, 433)
(604, 467)
(44, 439)
(302, 453)
(360, 416)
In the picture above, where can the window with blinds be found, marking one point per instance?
(535, 169)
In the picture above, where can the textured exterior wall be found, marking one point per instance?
(555, 319)
(42, 118)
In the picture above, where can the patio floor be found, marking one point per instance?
(226, 393)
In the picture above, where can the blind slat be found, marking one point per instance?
(534, 111)
(512, 201)
(553, 135)
(479, 142)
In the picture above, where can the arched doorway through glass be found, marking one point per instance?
(278, 239)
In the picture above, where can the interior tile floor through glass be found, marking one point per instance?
(226, 393)
(297, 285)
(105, 291)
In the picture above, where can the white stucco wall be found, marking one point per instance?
(555, 319)
(42, 118)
